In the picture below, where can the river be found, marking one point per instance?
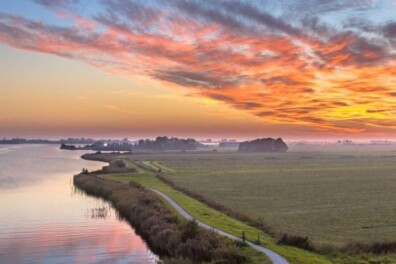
(43, 219)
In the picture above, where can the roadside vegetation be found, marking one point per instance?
(208, 215)
(176, 241)
(335, 196)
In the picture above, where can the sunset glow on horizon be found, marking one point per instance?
(297, 69)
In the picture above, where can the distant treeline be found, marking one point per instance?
(165, 143)
(101, 146)
(263, 145)
(47, 141)
(159, 144)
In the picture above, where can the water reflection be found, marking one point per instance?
(48, 222)
(99, 212)
(70, 244)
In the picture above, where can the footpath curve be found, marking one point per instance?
(273, 256)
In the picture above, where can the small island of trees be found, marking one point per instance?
(263, 145)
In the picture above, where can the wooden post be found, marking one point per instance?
(243, 236)
(258, 239)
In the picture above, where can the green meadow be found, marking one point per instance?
(332, 194)
(217, 219)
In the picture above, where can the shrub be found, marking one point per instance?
(295, 241)
(241, 244)
(194, 249)
(120, 164)
(229, 255)
(374, 248)
(189, 230)
(181, 242)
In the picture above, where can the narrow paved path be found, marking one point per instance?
(275, 257)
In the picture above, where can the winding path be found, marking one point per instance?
(275, 257)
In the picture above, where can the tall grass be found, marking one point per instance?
(165, 234)
(258, 223)
(284, 238)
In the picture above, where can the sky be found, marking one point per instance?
(298, 69)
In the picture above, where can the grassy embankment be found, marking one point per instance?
(332, 196)
(176, 240)
(203, 212)
(268, 185)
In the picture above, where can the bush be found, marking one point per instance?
(374, 248)
(189, 230)
(120, 164)
(181, 242)
(229, 255)
(195, 250)
(295, 241)
(241, 244)
(136, 185)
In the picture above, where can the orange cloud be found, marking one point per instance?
(337, 82)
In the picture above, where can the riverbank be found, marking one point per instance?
(144, 175)
(175, 240)
(147, 170)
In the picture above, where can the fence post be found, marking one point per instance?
(243, 236)
(258, 239)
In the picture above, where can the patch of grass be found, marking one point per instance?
(331, 198)
(165, 234)
(133, 166)
(159, 165)
(219, 220)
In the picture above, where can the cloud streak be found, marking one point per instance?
(327, 77)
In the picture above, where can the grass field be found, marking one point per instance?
(126, 199)
(212, 217)
(333, 195)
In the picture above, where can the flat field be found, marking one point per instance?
(332, 194)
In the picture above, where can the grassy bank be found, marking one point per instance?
(176, 241)
(145, 165)
(145, 176)
(218, 219)
(334, 196)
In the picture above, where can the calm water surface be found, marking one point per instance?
(43, 219)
